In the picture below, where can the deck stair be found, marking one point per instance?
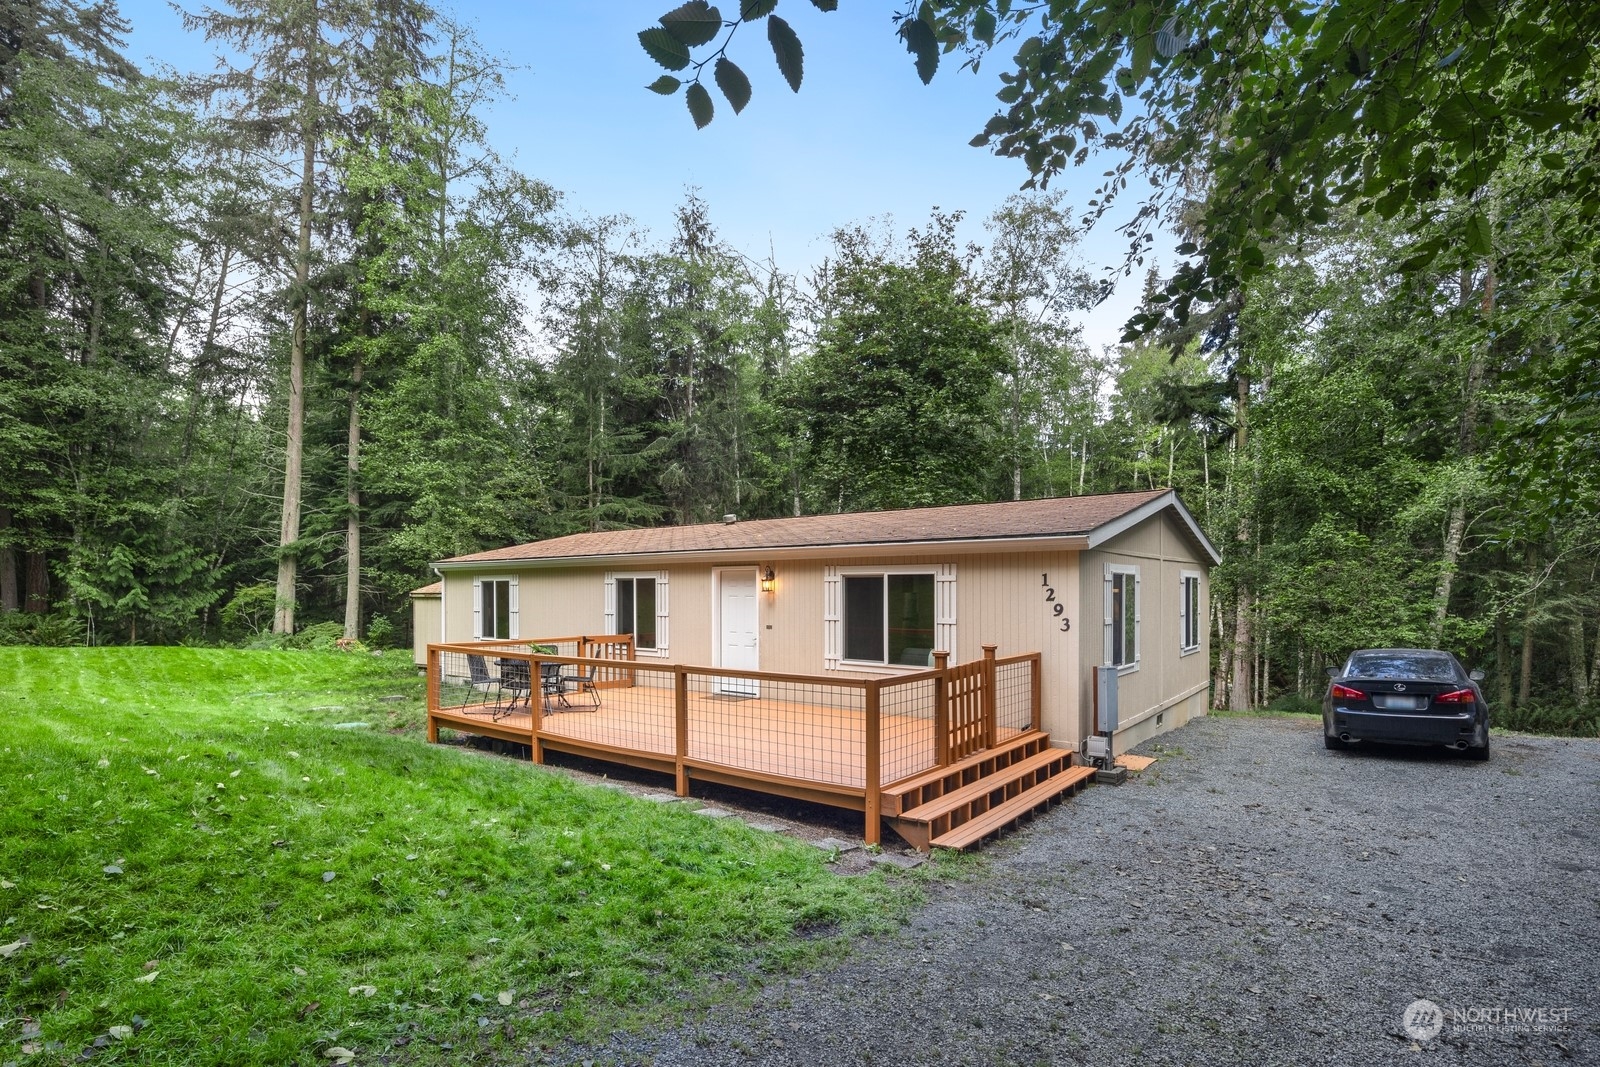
(959, 805)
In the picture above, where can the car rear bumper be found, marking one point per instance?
(1405, 729)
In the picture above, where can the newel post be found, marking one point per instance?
(874, 764)
(680, 693)
(433, 692)
(989, 725)
(535, 711)
(941, 710)
(1036, 684)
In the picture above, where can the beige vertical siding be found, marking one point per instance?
(571, 601)
(424, 626)
(1166, 682)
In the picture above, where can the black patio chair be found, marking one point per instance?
(582, 681)
(552, 687)
(479, 678)
(515, 676)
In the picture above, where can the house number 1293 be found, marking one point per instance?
(1057, 608)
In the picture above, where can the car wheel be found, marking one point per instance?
(1479, 754)
(1334, 743)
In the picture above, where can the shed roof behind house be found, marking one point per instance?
(436, 589)
(1010, 520)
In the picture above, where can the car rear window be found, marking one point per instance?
(1402, 665)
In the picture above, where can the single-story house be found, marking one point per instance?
(1117, 579)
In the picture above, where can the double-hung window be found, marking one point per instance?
(888, 618)
(1122, 616)
(1190, 618)
(636, 611)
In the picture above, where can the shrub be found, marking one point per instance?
(1295, 704)
(1549, 717)
(380, 632)
(249, 613)
(28, 628)
(319, 636)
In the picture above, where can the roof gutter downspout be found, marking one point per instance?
(444, 613)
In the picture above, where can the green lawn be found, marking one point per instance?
(191, 849)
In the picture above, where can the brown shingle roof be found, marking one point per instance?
(436, 589)
(1056, 517)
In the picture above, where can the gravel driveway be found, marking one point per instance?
(1251, 898)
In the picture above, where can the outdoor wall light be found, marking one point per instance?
(769, 580)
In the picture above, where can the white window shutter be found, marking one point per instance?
(830, 618)
(611, 604)
(1183, 612)
(1138, 645)
(1107, 624)
(661, 613)
(477, 609)
(516, 621)
(944, 610)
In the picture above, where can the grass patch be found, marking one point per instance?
(178, 813)
(1265, 713)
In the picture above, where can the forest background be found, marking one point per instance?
(277, 336)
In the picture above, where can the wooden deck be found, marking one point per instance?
(822, 746)
(833, 740)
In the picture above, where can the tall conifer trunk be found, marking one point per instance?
(352, 529)
(1244, 603)
(9, 601)
(1466, 438)
(294, 444)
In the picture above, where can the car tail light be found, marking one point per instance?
(1344, 692)
(1457, 696)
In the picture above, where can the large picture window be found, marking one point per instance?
(1124, 616)
(888, 618)
(1189, 617)
(494, 609)
(636, 611)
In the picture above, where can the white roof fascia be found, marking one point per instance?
(965, 546)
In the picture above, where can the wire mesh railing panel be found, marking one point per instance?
(1013, 695)
(906, 741)
(814, 731)
(587, 700)
(492, 683)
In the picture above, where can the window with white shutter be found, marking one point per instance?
(1122, 618)
(1190, 618)
(887, 616)
(494, 608)
(636, 604)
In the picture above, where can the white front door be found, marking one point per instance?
(740, 618)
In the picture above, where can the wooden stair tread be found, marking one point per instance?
(997, 817)
(938, 774)
(941, 805)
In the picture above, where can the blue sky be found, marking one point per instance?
(863, 138)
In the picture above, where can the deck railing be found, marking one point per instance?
(833, 740)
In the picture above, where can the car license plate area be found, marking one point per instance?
(1397, 703)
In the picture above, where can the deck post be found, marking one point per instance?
(989, 702)
(1036, 681)
(680, 687)
(874, 767)
(941, 710)
(433, 693)
(535, 713)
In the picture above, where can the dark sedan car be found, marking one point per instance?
(1406, 696)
